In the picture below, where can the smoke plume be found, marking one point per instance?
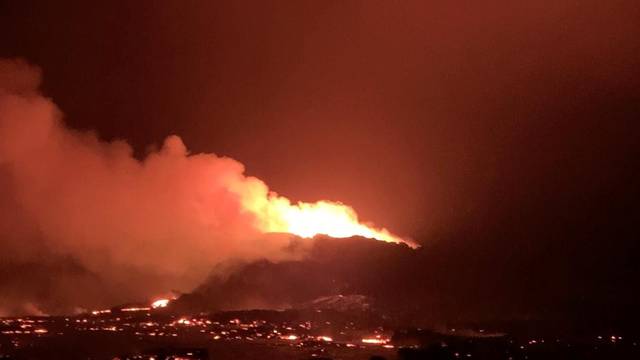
(83, 223)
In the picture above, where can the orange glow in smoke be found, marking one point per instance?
(276, 213)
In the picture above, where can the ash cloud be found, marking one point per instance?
(84, 224)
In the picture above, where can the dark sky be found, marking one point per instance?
(504, 129)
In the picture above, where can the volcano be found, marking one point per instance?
(440, 282)
(335, 271)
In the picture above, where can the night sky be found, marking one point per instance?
(503, 137)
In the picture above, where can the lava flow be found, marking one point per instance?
(275, 213)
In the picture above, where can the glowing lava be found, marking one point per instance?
(160, 303)
(275, 213)
(377, 340)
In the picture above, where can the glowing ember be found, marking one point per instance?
(275, 213)
(184, 321)
(324, 338)
(375, 340)
(132, 309)
(160, 303)
(98, 312)
(289, 337)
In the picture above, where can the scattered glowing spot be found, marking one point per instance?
(132, 309)
(160, 303)
(184, 321)
(98, 312)
(375, 341)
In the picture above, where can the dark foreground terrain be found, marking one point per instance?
(142, 333)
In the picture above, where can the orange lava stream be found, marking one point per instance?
(275, 213)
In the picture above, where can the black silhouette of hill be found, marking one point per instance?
(333, 267)
(446, 281)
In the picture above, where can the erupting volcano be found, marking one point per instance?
(168, 217)
(276, 214)
(319, 180)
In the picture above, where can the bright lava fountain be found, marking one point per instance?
(275, 213)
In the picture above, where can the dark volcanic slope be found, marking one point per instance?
(449, 280)
(334, 266)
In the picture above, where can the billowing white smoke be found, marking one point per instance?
(84, 223)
